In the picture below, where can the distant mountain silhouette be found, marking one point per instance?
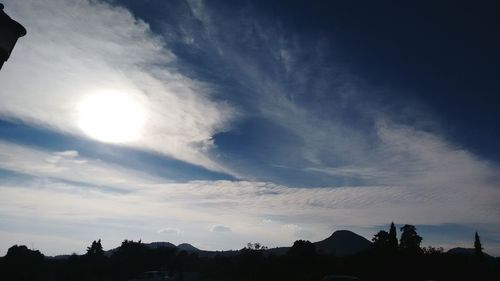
(340, 243)
(156, 245)
(187, 247)
(152, 245)
(343, 243)
(463, 251)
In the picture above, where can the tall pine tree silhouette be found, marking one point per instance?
(478, 247)
(393, 239)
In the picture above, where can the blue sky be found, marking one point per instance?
(218, 123)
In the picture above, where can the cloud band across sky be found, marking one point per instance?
(121, 203)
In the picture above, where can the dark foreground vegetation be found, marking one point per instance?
(387, 258)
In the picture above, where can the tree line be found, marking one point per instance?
(409, 243)
(389, 258)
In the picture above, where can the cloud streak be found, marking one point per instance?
(220, 228)
(169, 231)
(274, 214)
(69, 166)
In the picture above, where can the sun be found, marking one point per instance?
(110, 116)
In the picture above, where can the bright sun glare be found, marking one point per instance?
(111, 117)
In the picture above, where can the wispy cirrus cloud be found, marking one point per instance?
(331, 124)
(75, 49)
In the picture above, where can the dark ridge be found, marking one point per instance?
(343, 243)
(156, 245)
(187, 247)
(464, 251)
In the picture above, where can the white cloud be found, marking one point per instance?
(295, 231)
(220, 228)
(68, 165)
(367, 173)
(77, 48)
(169, 231)
(417, 157)
(67, 153)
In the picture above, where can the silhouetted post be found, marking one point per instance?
(10, 31)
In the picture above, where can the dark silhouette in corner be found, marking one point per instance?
(10, 31)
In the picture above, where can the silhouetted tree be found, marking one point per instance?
(250, 262)
(95, 250)
(255, 246)
(302, 260)
(478, 248)
(381, 241)
(302, 248)
(22, 263)
(133, 257)
(410, 240)
(94, 261)
(393, 239)
(386, 242)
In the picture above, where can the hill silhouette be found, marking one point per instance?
(461, 251)
(340, 243)
(464, 251)
(156, 245)
(187, 247)
(343, 243)
(152, 245)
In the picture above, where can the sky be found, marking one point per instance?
(219, 123)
